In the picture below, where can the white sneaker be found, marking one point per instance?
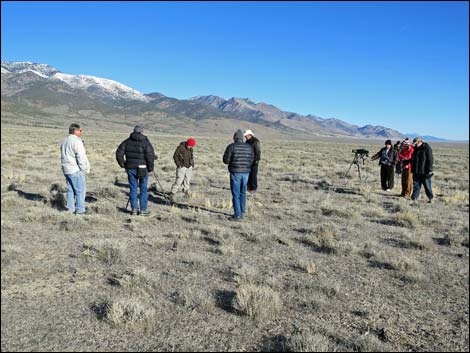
(388, 190)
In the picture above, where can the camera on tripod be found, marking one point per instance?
(362, 152)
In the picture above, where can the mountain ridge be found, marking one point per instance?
(29, 84)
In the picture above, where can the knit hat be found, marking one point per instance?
(139, 129)
(248, 132)
(406, 142)
(417, 139)
(388, 142)
(238, 135)
(191, 142)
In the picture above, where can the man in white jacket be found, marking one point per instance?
(74, 166)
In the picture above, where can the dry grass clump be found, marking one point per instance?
(390, 261)
(10, 253)
(194, 299)
(333, 211)
(134, 282)
(416, 241)
(259, 302)
(108, 252)
(307, 266)
(458, 197)
(454, 239)
(405, 219)
(308, 342)
(247, 275)
(130, 312)
(324, 240)
(369, 343)
(369, 249)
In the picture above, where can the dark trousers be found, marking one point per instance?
(387, 173)
(253, 178)
(418, 180)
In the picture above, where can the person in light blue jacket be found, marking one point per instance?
(74, 166)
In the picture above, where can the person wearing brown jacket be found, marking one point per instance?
(184, 160)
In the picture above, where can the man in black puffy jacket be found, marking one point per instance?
(137, 156)
(239, 156)
(421, 166)
(253, 178)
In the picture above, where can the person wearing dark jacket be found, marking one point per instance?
(137, 156)
(184, 160)
(387, 161)
(421, 165)
(240, 157)
(253, 177)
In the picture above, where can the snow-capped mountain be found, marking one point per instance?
(98, 86)
(31, 89)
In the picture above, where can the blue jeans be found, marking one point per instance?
(418, 180)
(135, 182)
(76, 191)
(238, 183)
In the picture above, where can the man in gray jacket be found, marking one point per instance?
(74, 166)
(239, 156)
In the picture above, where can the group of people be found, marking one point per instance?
(137, 156)
(413, 160)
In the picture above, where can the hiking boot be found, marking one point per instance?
(82, 213)
(145, 213)
(134, 212)
(431, 201)
(187, 195)
(235, 219)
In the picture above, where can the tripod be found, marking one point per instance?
(357, 161)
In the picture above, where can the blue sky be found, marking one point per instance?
(402, 65)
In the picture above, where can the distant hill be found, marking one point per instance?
(41, 94)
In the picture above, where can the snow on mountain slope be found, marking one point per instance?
(101, 86)
(94, 85)
(42, 70)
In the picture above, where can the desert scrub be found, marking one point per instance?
(306, 266)
(405, 219)
(393, 262)
(137, 281)
(131, 312)
(323, 240)
(247, 275)
(108, 252)
(228, 246)
(458, 197)
(308, 342)
(415, 241)
(334, 211)
(194, 299)
(258, 302)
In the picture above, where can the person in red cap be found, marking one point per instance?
(184, 160)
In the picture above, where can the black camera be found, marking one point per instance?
(362, 152)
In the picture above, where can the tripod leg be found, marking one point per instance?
(346, 174)
(168, 202)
